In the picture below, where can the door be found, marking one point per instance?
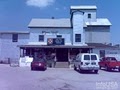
(62, 55)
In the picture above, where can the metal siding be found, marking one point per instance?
(9, 49)
(93, 15)
(97, 35)
(50, 23)
(78, 27)
(107, 51)
(35, 32)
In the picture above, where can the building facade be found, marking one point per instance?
(65, 37)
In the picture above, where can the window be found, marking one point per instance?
(15, 38)
(77, 37)
(89, 15)
(86, 57)
(102, 53)
(59, 36)
(93, 57)
(41, 38)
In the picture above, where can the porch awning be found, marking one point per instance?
(55, 46)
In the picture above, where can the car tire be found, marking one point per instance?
(96, 71)
(45, 68)
(107, 68)
(75, 68)
(119, 69)
(100, 67)
(80, 70)
(32, 68)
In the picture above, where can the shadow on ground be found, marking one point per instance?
(86, 72)
(114, 70)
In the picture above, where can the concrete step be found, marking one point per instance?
(61, 65)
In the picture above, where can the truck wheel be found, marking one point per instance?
(45, 68)
(80, 70)
(75, 68)
(119, 69)
(96, 71)
(32, 68)
(108, 69)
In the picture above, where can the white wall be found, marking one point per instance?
(97, 35)
(78, 27)
(108, 51)
(93, 15)
(9, 49)
(35, 32)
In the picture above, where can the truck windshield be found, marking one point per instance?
(39, 57)
(112, 58)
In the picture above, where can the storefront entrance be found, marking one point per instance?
(62, 54)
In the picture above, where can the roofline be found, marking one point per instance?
(112, 47)
(9, 32)
(101, 46)
(84, 7)
(46, 27)
(70, 27)
(98, 25)
(56, 46)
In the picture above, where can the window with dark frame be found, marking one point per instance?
(86, 57)
(89, 15)
(41, 38)
(59, 36)
(102, 53)
(93, 57)
(77, 37)
(14, 37)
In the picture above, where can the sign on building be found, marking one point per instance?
(55, 41)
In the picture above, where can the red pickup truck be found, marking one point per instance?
(109, 63)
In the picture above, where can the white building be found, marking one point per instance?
(82, 32)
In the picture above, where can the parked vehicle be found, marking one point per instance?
(39, 62)
(109, 63)
(87, 62)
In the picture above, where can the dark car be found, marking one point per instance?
(39, 63)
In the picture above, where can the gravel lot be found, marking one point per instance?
(22, 78)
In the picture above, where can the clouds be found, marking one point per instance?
(61, 8)
(40, 3)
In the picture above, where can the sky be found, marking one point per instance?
(15, 15)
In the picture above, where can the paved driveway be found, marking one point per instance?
(22, 78)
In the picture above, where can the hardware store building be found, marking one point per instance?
(81, 33)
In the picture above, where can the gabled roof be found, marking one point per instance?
(84, 7)
(99, 22)
(46, 23)
(64, 23)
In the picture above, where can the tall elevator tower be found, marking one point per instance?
(77, 22)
